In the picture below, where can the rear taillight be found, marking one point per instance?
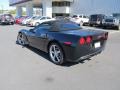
(85, 40)
(88, 40)
(82, 41)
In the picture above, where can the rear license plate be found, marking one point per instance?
(97, 45)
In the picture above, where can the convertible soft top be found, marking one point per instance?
(57, 24)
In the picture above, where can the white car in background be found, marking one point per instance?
(111, 22)
(25, 21)
(40, 19)
(80, 19)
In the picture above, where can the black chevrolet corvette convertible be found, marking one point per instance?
(64, 41)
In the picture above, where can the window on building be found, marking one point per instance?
(60, 4)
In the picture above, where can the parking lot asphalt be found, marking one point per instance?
(26, 68)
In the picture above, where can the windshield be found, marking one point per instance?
(37, 18)
(70, 26)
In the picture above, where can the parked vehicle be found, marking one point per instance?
(80, 19)
(40, 19)
(32, 20)
(111, 22)
(20, 19)
(116, 15)
(96, 19)
(6, 19)
(17, 19)
(28, 19)
(64, 40)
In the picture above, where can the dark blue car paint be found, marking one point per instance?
(75, 52)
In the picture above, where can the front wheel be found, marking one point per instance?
(20, 39)
(56, 54)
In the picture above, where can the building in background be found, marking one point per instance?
(67, 7)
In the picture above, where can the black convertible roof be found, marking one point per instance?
(56, 24)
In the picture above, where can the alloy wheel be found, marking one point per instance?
(20, 39)
(56, 54)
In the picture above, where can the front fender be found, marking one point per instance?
(23, 31)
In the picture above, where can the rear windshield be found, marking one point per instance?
(70, 26)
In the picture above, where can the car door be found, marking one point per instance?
(32, 37)
(39, 37)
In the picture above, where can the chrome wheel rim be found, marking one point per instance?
(55, 54)
(21, 40)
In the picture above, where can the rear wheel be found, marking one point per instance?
(56, 54)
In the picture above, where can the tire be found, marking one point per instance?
(91, 25)
(118, 28)
(36, 24)
(104, 27)
(21, 39)
(56, 54)
(12, 23)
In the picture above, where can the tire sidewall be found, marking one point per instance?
(61, 61)
(23, 36)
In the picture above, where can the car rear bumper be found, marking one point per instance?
(87, 56)
(109, 25)
(77, 54)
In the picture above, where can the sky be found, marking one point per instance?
(5, 5)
